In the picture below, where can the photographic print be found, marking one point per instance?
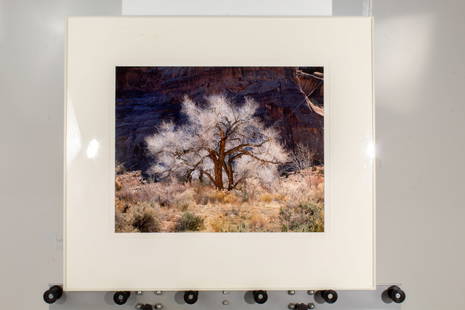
(219, 149)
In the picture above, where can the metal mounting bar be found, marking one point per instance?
(385, 297)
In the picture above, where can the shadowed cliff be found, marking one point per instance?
(290, 99)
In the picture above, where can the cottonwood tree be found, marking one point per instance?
(220, 141)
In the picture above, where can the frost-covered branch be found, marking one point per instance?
(225, 142)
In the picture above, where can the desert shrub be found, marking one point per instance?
(304, 186)
(224, 223)
(223, 197)
(244, 195)
(141, 217)
(302, 218)
(257, 222)
(236, 220)
(302, 157)
(218, 224)
(269, 197)
(133, 188)
(184, 199)
(204, 194)
(121, 223)
(189, 222)
(294, 204)
(146, 223)
(165, 194)
(266, 197)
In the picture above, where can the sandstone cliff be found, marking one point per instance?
(291, 99)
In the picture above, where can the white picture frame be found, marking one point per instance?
(97, 258)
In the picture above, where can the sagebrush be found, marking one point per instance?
(294, 203)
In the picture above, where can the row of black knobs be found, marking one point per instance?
(260, 297)
(393, 294)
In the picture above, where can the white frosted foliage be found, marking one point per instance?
(220, 142)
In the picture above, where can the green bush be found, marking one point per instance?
(304, 217)
(189, 222)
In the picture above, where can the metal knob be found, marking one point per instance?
(396, 294)
(53, 294)
(121, 297)
(329, 296)
(260, 297)
(191, 297)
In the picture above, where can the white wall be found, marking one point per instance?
(420, 76)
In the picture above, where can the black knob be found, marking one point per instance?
(301, 306)
(53, 294)
(328, 296)
(120, 298)
(396, 294)
(260, 297)
(191, 297)
(146, 307)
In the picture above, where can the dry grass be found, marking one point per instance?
(294, 203)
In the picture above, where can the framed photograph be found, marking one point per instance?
(219, 153)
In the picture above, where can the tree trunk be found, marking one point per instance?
(230, 173)
(219, 163)
(218, 174)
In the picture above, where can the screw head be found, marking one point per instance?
(158, 292)
(225, 292)
(311, 292)
(311, 305)
(139, 306)
(291, 292)
(158, 306)
(225, 302)
(291, 306)
(139, 293)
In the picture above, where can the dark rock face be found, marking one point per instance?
(289, 98)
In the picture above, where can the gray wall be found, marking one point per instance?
(31, 148)
(420, 79)
(420, 67)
